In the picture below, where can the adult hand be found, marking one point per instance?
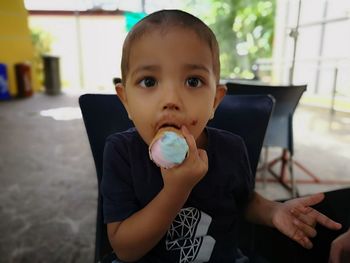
(340, 249)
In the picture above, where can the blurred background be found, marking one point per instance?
(276, 41)
(53, 51)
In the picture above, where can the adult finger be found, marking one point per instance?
(334, 255)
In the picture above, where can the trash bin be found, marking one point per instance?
(4, 88)
(52, 81)
(24, 80)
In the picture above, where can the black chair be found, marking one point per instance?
(102, 115)
(247, 116)
(280, 129)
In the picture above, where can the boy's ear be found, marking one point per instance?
(220, 93)
(120, 90)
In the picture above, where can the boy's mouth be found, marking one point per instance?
(172, 125)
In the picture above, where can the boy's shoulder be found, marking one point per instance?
(130, 134)
(127, 138)
(224, 137)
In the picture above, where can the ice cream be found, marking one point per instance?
(168, 148)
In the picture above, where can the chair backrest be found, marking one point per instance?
(247, 116)
(103, 115)
(280, 129)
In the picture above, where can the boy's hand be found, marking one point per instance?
(185, 176)
(297, 220)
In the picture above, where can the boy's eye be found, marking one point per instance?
(148, 82)
(193, 82)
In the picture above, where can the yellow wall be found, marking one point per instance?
(15, 40)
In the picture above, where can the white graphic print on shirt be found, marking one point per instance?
(188, 235)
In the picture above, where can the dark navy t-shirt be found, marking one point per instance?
(205, 230)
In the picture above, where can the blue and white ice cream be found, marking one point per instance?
(168, 148)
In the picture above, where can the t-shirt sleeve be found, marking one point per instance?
(119, 200)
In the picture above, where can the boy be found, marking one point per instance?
(170, 77)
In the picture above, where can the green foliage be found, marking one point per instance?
(42, 41)
(244, 29)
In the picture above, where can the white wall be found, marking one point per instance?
(101, 38)
(310, 55)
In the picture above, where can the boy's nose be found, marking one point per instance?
(171, 98)
(170, 106)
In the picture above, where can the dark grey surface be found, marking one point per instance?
(48, 185)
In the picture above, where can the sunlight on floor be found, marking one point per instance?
(62, 114)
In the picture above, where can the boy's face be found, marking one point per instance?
(170, 82)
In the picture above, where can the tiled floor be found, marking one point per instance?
(48, 185)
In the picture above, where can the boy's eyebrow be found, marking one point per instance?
(157, 67)
(145, 68)
(197, 66)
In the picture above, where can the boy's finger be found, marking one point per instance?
(192, 147)
(301, 209)
(306, 243)
(304, 216)
(303, 240)
(319, 217)
(186, 133)
(312, 199)
(203, 155)
(188, 137)
(304, 227)
(327, 222)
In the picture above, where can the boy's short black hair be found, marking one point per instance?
(163, 20)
